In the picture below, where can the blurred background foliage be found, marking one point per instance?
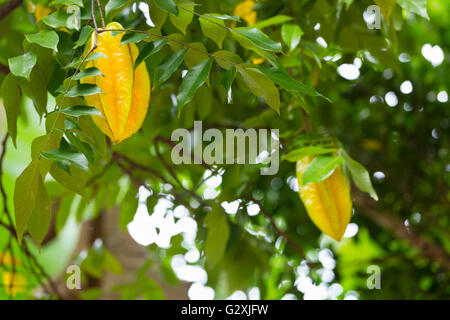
(389, 110)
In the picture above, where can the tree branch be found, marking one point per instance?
(278, 231)
(397, 228)
(9, 7)
(4, 69)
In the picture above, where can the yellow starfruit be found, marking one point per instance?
(328, 202)
(125, 95)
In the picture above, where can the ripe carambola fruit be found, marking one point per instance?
(328, 202)
(126, 90)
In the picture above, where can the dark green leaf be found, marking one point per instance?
(77, 111)
(164, 71)
(193, 80)
(89, 72)
(149, 50)
(84, 36)
(227, 81)
(75, 158)
(133, 37)
(167, 5)
(83, 89)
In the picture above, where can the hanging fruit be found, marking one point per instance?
(125, 90)
(328, 202)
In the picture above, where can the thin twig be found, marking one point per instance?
(184, 44)
(207, 19)
(9, 7)
(4, 69)
(102, 19)
(280, 232)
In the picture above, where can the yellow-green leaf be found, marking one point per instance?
(261, 86)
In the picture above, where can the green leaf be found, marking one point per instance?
(151, 201)
(195, 55)
(218, 234)
(133, 37)
(261, 86)
(74, 181)
(89, 72)
(193, 80)
(283, 79)
(129, 208)
(43, 143)
(12, 100)
(70, 124)
(184, 17)
(258, 38)
(39, 221)
(415, 6)
(58, 19)
(157, 15)
(149, 50)
(92, 56)
(21, 66)
(46, 39)
(63, 213)
(83, 147)
(75, 158)
(83, 89)
(320, 168)
(298, 154)
(291, 35)
(225, 59)
(84, 36)
(272, 21)
(36, 89)
(29, 193)
(227, 81)
(114, 4)
(77, 111)
(167, 5)
(214, 29)
(359, 175)
(164, 71)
